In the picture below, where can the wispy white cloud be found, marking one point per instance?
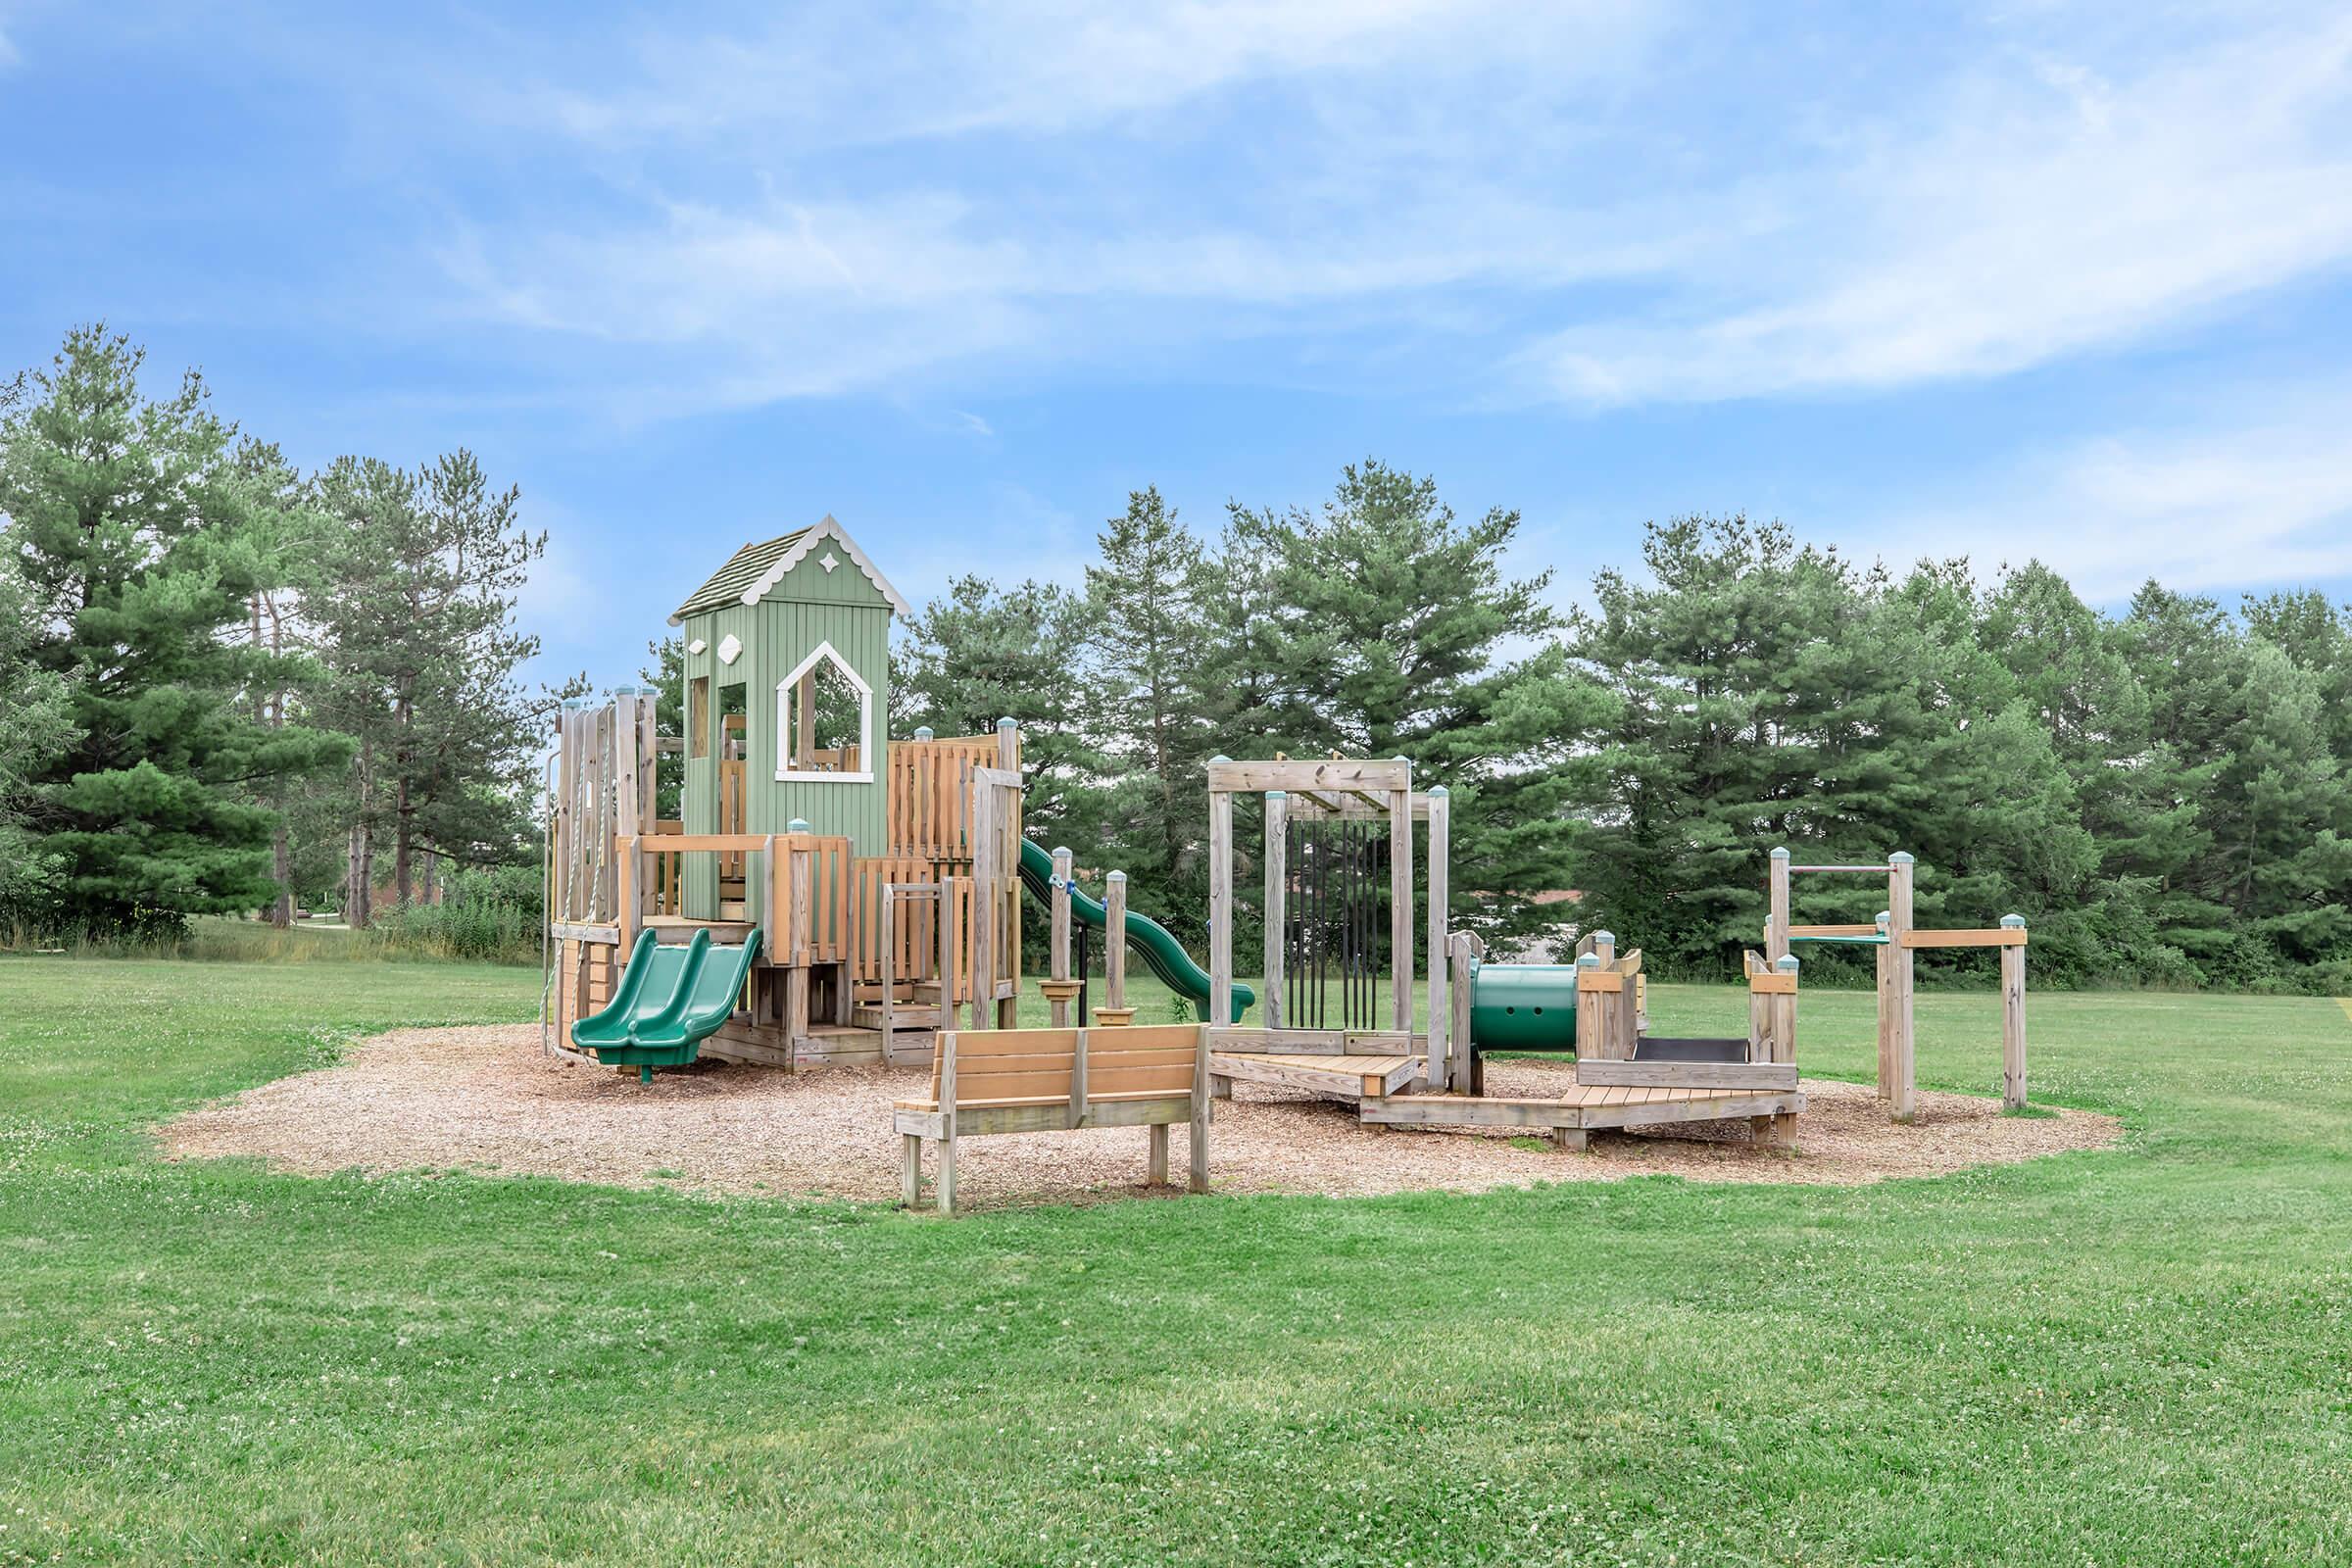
(2237, 503)
(1042, 66)
(2048, 211)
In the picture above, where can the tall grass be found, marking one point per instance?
(490, 917)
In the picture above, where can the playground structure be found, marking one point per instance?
(814, 856)
(1895, 938)
(829, 895)
(1339, 1016)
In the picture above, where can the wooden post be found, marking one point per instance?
(1061, 991)
(889, 973)
(911, 1171)
(1885, 975)
(948, 937)
(1776, 922)
(1197, 1178)
(1903, 1055)
(984, 913)
(1591, 1028)
(1401, 911)
(1780, 1130)
(2013, 1018)
(1009, 894)
(1078, 1080)
(1221, 906)
(1115, 1011)
(632, 864)
(1440, 1013)
(1157, 1174)
(1277, 859)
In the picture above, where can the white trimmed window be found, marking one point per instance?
(825, 722)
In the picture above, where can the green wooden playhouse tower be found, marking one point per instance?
(787, 699)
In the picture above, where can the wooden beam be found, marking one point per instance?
(1378, 779)
(1993, 937)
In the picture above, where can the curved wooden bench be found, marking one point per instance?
(1042, 1080)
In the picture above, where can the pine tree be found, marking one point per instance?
(141, 537)
(982, 653)
(1399, 634)
(1145, 640)
(36, 727)
(414, 587)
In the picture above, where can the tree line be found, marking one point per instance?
(231, 686)
(2161, 791)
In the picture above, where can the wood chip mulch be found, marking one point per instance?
(488, 1101)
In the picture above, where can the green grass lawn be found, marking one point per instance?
(2137, 1356)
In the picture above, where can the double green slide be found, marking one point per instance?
(1159, 949)
(670, 1000)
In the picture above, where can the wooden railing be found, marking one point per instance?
(930, 796)
(917, 956)
(805, 877)
(808, 898)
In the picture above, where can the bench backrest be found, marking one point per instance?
(999, 1065)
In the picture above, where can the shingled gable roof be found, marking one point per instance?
(756, 569)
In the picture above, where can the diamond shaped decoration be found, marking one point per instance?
(730, 647)
(697, 646)
(829, 560)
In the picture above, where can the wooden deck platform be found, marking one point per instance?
(1584, 1108)
(1352, 1078)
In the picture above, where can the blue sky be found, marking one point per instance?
(2002, 280)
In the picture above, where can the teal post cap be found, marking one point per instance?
(1220, 757)
(1436, 790)
(1610, 937)
(1116, 876)
(1787, 964)
(2013, 922)
(924, 732)
(1278, 795)
(796, 825)
(1780, 854)
(1899, 858)
(1588, 961)
(1885, 919)
(1009, 724)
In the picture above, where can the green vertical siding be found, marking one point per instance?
(842, 608)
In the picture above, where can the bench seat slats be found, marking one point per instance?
(962, 1104)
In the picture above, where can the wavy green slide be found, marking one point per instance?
(1162, 954)
(670, 1000)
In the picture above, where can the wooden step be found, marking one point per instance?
(906, 1015)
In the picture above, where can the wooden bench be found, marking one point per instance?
(1040, 1080)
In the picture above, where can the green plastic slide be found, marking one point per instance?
(1162, 954)
(670, 1000)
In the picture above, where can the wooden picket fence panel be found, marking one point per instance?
(930, 794)
(917, 955)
